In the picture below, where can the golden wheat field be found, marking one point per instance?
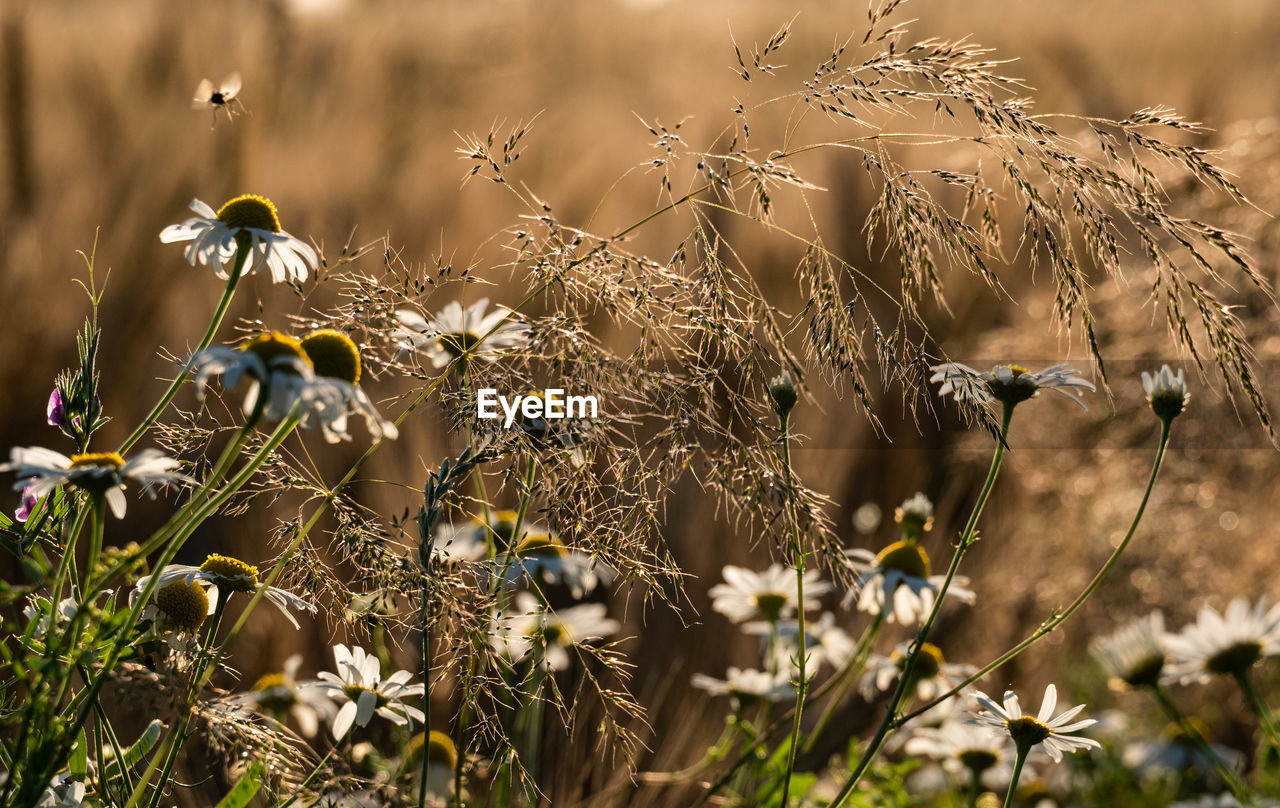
(680, 200)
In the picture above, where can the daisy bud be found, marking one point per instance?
(782, 391)
(915, 515)
(1166, 393)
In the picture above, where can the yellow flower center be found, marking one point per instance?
(440, 749)
(274, 694)
(273, 345)
(928, 663)
(231, 573)
(250, 210)
(541, 545)
(1235, 659)
(1145, 672)
(501, 528)
(1174, 733)
(353, 692)
(1027, 731)
(97, 459)
(908, 558)
(978, 760)
(770, 604)
(333, 354)
(185, 605)
(459, 343)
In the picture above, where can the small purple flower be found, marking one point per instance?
(27, 505)
(55, 413)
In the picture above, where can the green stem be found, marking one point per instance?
(179, 731)
(242, 253)
(847, 676)
(967, 537)
(1020, 759)
(98, 505)
(802, 650)
(975, 788)
(426, 685)
(1259, 708)
(1238, 789)
(1058, 619)
(311, 778)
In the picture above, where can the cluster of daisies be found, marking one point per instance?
(309, 381)
(549, 593)
(965, 729)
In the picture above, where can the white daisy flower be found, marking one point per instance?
(335, 359)
(63, 792)
(458, 332)
(538, 553)
(826, 642)
(1135, 654)
(1231, 643)
(102, 474)
(284, 367)
(469, 541)
(966, 749)
(1051, 732)
(362, 691)
(747, 686)
(768, 595)
(220, 572)
(897, 580)
(442, 759)
(1010, 384)
(1166, 392)
(545, 558)
(932, 675)
(42, 612)
(281, 695)
(250, 222)
(516, 635)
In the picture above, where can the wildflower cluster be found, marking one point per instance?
(468, 652)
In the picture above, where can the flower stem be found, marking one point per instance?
(242, 254)
(847, 675)
(967, 537)
(1058, 619)
(802, 650)
(1229, 777)
(426, 683)
(1019, 759)
(1259, 707)
(975, 788)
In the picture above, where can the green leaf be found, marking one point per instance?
(244, 790)
(145, 743)
(79, 762)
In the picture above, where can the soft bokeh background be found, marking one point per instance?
(356, 110)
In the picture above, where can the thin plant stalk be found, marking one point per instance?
(967, 537)
(1238, 789)
(1019, 759)
(802, 650)
(1259, 708)
(1059, 618)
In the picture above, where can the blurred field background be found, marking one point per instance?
(354, 119)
